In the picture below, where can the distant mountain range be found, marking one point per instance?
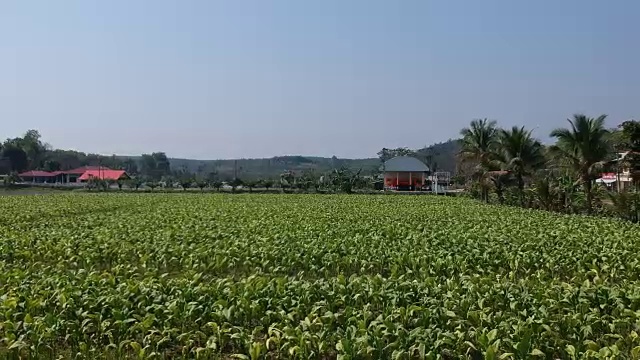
(441, 156)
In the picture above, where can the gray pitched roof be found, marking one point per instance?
(405, 163)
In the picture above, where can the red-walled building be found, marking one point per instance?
(405, 173)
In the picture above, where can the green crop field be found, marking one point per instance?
(312, 276)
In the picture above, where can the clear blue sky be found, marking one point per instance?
(224, 79)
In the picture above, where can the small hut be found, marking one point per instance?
(405, 173)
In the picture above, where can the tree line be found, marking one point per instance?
(154, 170)
(510, 166)
(337, 180)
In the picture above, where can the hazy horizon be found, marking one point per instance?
(213, 80)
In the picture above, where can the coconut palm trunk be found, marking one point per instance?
(520, 181)
(588, 191)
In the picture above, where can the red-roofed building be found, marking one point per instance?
(78, 175)
(73, 174)
(103, 174)
(82, 169)
(37, 176)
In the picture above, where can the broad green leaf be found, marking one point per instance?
(490, 354)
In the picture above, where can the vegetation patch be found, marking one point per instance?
(311, 276)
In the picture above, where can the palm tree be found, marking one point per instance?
(479, 145)
(583, 148)
(520, 154)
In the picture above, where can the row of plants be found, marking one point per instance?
(338, 180)
(305, 276)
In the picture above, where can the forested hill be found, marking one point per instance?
(441, 156)
(272, 167)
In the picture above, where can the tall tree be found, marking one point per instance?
(631, 145)
(582, 148)
(155, 165)
(148, 165)
(163, 166)
(33, 147)
(479, 147)
(17, 157)
(520, 154)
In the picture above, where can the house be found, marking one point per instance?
(78, 175)
(621, 179)
(37, 176)
(71, 176)
(405, 173)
